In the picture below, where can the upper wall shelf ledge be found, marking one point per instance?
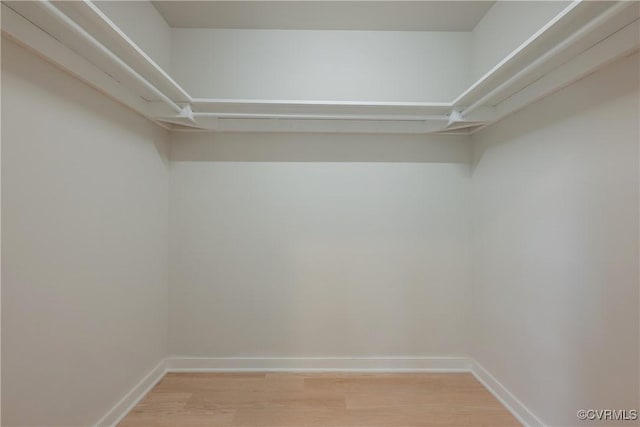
(81, 39)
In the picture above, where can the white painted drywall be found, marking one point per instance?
(321, 65)
(143, 24)
(281, 254)
(84, 246)
(315, 147)
(556, 285)
(323, 15)
(504, 27)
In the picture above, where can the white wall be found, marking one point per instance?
(317, 245)
(281, 254)
(505, 27)
(144, 25)
(84, 246)
(556, 293)
(321, 65)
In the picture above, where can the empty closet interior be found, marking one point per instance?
(352, 186)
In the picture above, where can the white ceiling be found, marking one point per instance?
(325, 15)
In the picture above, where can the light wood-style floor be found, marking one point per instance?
(324, 399)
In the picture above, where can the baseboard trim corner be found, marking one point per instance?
(500, 392)
(135, 395)
(319, 364)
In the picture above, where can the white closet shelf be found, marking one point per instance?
(79, 38)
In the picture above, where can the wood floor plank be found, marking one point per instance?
(267, 399)
(318, 399)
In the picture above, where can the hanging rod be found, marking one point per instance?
(613, 10)
(82, 33)
(99, 17)
(513, 55)
(378, 117)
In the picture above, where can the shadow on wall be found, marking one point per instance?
(106, 109)
(296, 147)
(555, 197)
(572, 101)
(318, 259)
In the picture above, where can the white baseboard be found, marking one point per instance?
(135, 395)
(319, 364)
(512, 403)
